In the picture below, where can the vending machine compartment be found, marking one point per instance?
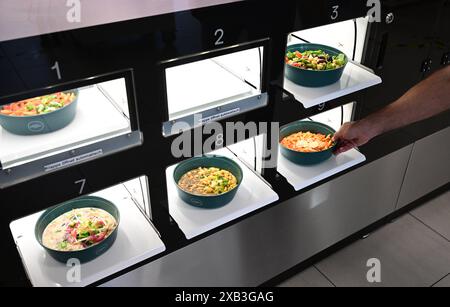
(212, 86)
(40, 132)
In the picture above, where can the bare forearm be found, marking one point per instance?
(428, 98)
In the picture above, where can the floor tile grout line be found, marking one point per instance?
(429, 227)
(399, 194)
(326, 277)
(440, 280)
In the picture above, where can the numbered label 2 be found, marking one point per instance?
(218, 36)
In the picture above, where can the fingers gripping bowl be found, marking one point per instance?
(208, 182)
(307, 142)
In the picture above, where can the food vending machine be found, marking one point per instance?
(100, 121)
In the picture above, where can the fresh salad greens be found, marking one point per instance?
(315, 60)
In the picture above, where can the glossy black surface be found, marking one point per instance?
(310, 14)
(397, 51)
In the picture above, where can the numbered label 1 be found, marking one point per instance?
(335, 12)
(219, 37)
(57, 69)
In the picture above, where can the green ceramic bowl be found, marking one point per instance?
(208, 202)
(314, 78)
(306, 158)
(41, 124)
(91, 252)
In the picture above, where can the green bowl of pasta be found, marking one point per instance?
(297, 138)
(208, 182)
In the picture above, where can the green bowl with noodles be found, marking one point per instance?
(209, 201)
(306, 158)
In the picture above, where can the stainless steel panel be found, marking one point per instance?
(26, 18)
(259, 248)
(428, 169)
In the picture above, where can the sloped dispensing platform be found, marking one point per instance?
(354, 79)
(253, 194)
(136, 241)
(301, 177)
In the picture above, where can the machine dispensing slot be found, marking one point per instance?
(213, 86)
(137, 239)
(355, 77)
(61, 126)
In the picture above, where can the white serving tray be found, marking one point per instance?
(354, 78)
(136, 241)
(301, 177)
(252, 195)
(96, 119)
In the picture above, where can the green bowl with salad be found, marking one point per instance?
(40, 115)
(314, 65)
(83, 229)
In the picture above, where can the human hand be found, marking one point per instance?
(352, 135)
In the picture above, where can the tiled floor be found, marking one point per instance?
(413, 251)
(445, 282)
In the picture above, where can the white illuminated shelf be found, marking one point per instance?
(354, 79)
(200, 86)
(301, 177)
(253, 194)
(96, 119)
(136, 241)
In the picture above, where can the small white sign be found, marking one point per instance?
(219, 116)
(73, 160)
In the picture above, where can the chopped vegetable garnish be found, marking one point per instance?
(208, 181)
(79, 229)
(315, 60)
(38, 105)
